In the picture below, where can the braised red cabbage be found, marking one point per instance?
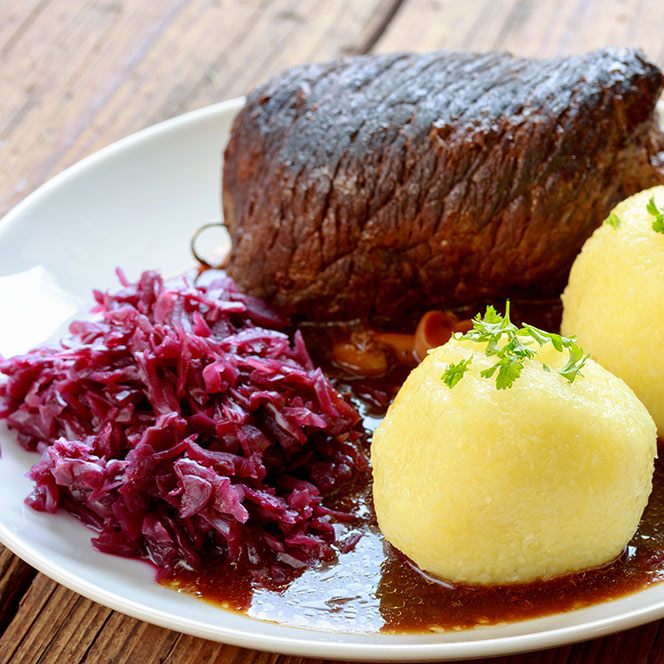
(183, 430)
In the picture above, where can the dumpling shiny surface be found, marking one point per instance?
(487, 486)
(614, 301)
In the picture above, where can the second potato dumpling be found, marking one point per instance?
(614, 302)
(494, 486)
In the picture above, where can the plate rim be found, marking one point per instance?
(332, 644)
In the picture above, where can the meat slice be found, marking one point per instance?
(391, 184)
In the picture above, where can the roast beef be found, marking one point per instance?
(391, 184)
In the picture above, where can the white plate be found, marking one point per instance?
(136, 204)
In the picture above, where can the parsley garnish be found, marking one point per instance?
(512, 346)
(454, 372)
(653, 210)
(613, 220)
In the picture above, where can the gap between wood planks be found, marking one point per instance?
(377, 27)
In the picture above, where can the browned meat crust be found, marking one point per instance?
(398, 183)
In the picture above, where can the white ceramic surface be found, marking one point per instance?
(136, 204)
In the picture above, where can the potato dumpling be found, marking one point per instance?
(486, 486)
(614, 302)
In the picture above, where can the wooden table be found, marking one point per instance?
(78, 75)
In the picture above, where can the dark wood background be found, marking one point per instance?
(76, 75)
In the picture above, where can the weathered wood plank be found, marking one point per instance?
(124, 640)
(17, 18)
(26, 625)
(536, 28)
(65, 628)
(425, 25)
(188, 648)
(15, 578)
(135, 63)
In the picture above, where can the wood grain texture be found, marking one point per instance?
(84, 74)
(15, 578)
(79, 74)
(535, 28)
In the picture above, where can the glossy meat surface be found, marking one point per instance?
(388, 185)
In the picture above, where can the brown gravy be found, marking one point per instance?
(374, 588)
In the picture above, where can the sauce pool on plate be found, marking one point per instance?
(374, 588)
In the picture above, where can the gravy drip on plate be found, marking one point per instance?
(374, 588)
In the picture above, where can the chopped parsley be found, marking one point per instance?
(613, 220)
(454, 372)
(654, 211)
(512, 346)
